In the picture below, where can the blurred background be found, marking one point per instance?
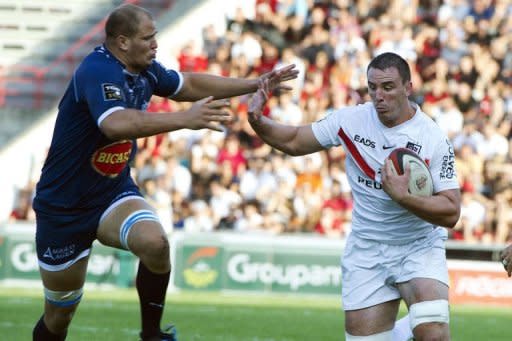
(229, 200)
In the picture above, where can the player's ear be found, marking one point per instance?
(123, 42)
(408, 88)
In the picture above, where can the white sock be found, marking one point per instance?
(402, 330)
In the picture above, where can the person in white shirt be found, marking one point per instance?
(396, 248)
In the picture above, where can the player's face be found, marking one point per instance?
(142, 47)
(389, 96)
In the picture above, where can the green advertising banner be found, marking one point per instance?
(283, 272)
(285, 265)
(199, 267)
(18, 260)
(216, 261)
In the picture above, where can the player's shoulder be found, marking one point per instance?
(427, 124)
(157, 69)
(99, 61)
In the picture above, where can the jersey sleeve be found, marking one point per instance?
(442, 167)
(100, 88)
(328, 129)
(167, 82)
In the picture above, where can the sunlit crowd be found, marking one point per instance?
(462, 75)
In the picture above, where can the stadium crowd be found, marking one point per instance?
(462, 77)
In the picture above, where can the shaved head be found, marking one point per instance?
(125, 20)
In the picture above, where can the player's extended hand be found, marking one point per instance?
(396, 186)
(207, 113)
(506, 259)
(258, 101)
(277, 77)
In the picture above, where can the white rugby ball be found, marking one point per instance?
(420, 181)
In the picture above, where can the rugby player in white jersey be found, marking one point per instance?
(396, 248)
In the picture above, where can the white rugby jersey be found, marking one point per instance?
(368, 142)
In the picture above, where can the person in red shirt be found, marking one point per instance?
(233, 153)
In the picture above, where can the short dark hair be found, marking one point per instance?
(389, 59)
(125, 20)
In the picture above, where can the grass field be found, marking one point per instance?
(113, 315)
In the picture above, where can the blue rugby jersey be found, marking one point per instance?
(84, 169)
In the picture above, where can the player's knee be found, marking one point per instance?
(429, 319)
(433, 331)
(155, 252)
(61, 307)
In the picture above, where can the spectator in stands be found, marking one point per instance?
(86, 191)
(473, 218)
(200, 219)
(336, 215)
(212, 41)
(22, 208)
(356, 30)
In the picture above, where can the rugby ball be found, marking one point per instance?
(420, 181)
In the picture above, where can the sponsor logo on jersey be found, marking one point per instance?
(199, 268)
(448, 165)
(369, 183)
(414, 147)
(111, 92)
(110, 160)
(364, 141)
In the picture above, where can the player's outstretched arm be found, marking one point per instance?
(291, 140)
(132, 123)
(200, 85)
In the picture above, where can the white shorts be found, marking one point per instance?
(370, 269)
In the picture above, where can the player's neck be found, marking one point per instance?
(120, 56)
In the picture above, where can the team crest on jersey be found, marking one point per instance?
(414, 147)
(110, 160)
(111, 92)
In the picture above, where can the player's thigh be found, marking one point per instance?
(132, 225)
(424, 273)
(422, 289)
(67, 279)
(372, 320)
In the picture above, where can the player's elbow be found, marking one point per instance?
(112, 133)
(450, 208)
(452, 219)
(449, 223)
(119, 126)
(292, 151)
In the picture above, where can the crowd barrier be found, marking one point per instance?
(294, 264)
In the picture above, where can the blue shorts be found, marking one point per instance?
(65, 237)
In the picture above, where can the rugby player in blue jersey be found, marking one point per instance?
(85, 191)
